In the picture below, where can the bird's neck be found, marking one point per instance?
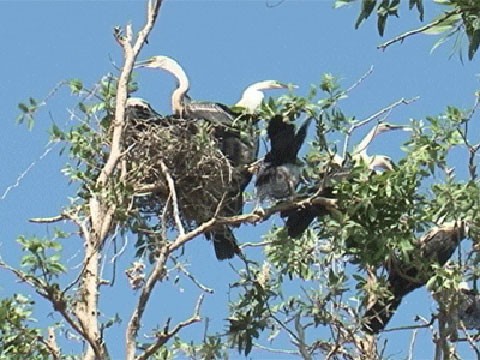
(251, 100)
(178, 101)
(178, 96)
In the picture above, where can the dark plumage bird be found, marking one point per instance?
(279, 174)
(139, 114)
(236, 135)
(435, 247)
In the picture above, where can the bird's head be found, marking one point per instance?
(165, 63)
(270, 85)
(158, 61)
(253, 95)
(137, 102)
(170, 65)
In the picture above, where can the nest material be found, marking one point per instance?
(202, 174)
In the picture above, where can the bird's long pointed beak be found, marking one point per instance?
(141, 63)
(287, 86)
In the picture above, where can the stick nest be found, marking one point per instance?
(188, 148)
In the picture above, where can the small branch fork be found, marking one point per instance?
(166, 335)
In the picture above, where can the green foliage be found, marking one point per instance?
(385, 9)
(251, 313)
(211, 348)
(19, 338)
(27, 112)
(42, 258)
(378, 215)
(461, 18)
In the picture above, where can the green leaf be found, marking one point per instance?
(341, 3)
(75, 86)
(366, 11)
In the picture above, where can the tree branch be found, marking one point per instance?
(173, 194)
(55, 297)
(188, 274)
(419, 30)
(166, 335)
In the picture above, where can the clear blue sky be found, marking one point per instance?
(223, 46)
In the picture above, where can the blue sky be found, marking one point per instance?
(224, 46)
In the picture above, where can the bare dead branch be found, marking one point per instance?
(419, 30)
(412, 345)
(173, 194)
(256, 244)
(470, 340)
(278, 351)
(166, 335)
(130, 54)
(134, 323)
(48, 220)
(101, 212)
(359, 81)
(51, 344)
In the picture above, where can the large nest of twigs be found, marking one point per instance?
(184, 151)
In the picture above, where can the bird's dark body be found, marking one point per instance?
(436, 247)
(280, 172)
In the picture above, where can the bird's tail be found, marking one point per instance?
(224, 243)
(301, 135)
(299, 220)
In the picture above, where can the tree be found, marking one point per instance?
(372, 235)
(460, 19)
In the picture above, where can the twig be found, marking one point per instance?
(379, 113)
(256, 244)
(470, 340)
(278, 351)
(86, 261)
(359, 81)
(134, 323)
(173, 194)
(47, 220)
(412, 345)
(26, 171)
(166, 335)
(188, 274)
(419, 30)
(302, 346)
(411, 327)
(122, 249)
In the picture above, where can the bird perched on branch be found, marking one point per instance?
(336, 169)
(279, 173)
(435, 247)
(236, 134)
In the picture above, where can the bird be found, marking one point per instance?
(338, 169)
(279, 172)
(139, 108)
(236, 134)
(435, 247)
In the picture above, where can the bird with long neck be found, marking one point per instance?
(236, 135)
